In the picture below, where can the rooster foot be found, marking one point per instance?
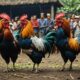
(7, 70)
(70, 69)
(13, 70)
(62, 69)
(33, 69)
(36, 71)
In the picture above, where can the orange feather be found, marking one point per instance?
(0, 24)
(73, 43)
(27, 30)
(8, 35)
(1, 30)
(66, 26)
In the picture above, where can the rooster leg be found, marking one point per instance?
(63, 67)
(14, 67)
(49, 55)
(70, 68)
(65, 61)
(7, 69)
(36, 71)
(33, 67)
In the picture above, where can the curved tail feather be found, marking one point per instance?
(45, 43)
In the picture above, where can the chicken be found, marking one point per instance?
(36, 48)
(67, 45)
(9, 48)
(36, 57)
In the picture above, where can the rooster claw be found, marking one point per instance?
(62, 69)
(36, 71)
(8, 70)
(33, 69)
(70, 69)
(13, 70)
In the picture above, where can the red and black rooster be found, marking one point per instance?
(9, 48)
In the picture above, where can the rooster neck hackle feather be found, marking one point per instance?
(27, 31)
(8, 35)
(0, 24)
(66, 26)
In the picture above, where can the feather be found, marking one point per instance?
(8, 35)
(0, 24)
(73, 43)
(52, 33)
(24, 43)
(1, 31)
(47, 46)
(38, 43)
(50, 37)
(36, 57)
(44, 43)
(27, 30)
(66, 26)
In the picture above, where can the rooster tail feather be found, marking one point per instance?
(46, 43)
(47, 46)
(52, 33)
(49, 39)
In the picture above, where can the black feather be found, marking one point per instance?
(9, 50)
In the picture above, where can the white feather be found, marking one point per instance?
(38, 43)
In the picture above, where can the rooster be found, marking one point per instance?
(36, 48)
(68, 46)
(9, 48)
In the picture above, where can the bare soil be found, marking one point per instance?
(49, 69)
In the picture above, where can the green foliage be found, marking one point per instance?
(71, 6)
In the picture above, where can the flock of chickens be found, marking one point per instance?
(36, 48)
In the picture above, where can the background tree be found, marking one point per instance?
(70, 6)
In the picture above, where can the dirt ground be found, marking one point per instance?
(50, 69)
